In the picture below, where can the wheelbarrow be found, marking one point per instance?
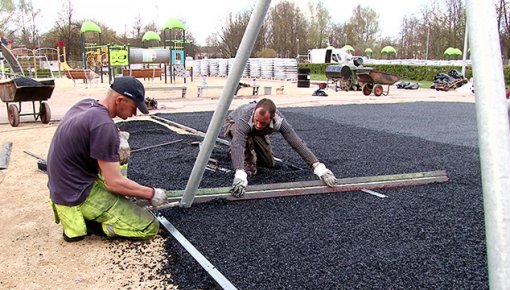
(24, 89)
(373, 81)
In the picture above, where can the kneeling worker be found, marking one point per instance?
(86, 186)
(248, 128)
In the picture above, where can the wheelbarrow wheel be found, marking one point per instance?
(367, 89)
(13, 115)
(378, 90)
(45, 113)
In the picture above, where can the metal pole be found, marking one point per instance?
(493, 136)
(427, 48)
(243, 53)
(208, 267)
(464, 53)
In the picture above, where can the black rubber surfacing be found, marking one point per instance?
(419, 237)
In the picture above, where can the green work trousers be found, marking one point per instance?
(117, 215)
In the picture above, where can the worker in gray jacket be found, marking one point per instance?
(248, 127)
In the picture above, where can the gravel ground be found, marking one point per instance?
(418, 237)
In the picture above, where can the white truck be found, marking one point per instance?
(329, 55)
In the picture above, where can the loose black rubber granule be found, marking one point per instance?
(26, 82)
(419, 237)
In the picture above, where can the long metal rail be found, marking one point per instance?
(208, 267)
(312, 187)
(188, 129)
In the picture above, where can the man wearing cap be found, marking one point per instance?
(249, 127)
(86, 186)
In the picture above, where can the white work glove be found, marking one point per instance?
(240, 182)
(124, 150)
(324, 174)
(159, 197)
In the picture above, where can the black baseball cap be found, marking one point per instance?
(132, 88)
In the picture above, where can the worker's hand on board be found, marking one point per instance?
(240, 182)
(159, 197)
(324, 174)
(124, 149)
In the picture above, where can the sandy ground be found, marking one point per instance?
(33, 253)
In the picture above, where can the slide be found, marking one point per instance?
(12, 61)
(65, 66)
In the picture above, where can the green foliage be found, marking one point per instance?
(41, 72)
(408, 72)
(506, 71)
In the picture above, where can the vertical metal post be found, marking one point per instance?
(428, 35)
(493, 136)
(464, 53)
(243, 53)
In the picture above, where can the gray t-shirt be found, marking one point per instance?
(85, 134)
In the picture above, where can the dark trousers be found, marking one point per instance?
(258, 150)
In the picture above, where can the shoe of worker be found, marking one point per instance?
(250, 168)
(72, 240)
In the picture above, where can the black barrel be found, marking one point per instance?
(303, 78)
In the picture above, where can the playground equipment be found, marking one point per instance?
(74, 74)
(174, 38)
(147, 56)
(35, 61)
(94, 55)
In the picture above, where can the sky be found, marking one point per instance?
(204, 17)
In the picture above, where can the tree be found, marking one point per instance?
(504, 27)
(338, 36)
(411, 39)
(137, 33)
(27, 19)
(362, 28)
(287, 26)
(233, 31)
(440, 26)
(267, 53)
(68, 30)
(7, 12)
(319, 26)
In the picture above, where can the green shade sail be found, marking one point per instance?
(348, 47)
(151, 36)
(173, 23)
(89, 26)
(388, 49)
(450, 51)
